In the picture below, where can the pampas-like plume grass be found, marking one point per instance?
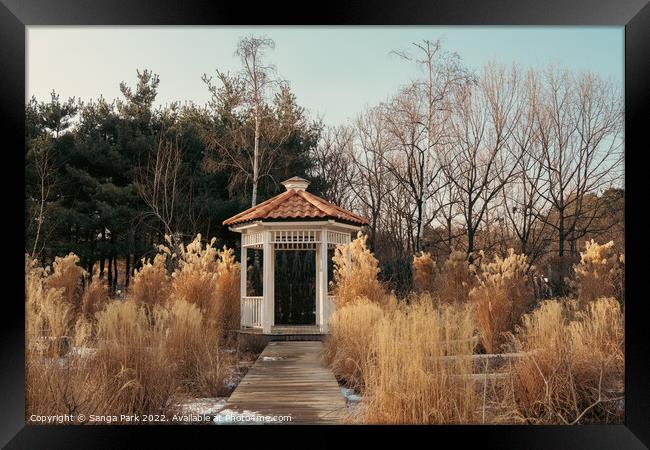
(68, 276)
(150, 284)
(132, 374)
(455, 278)
(415, 373)
(134, 356)
(194, 346)
(349, 342)
(574, 372)
(355, 273)
(95, 296)
(208, 278)
(600, 273)
(505, 292)
(424, 272)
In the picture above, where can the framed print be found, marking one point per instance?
(421, 217)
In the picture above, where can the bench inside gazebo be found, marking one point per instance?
(293, 221)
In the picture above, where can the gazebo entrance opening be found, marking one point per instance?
(295, 287)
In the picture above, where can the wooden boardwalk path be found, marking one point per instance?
(288, 378)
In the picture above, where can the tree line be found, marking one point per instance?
(108, 179)
(455, 159)
(487, 160)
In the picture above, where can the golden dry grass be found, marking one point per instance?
(574, 371)
(424, 272)
(87, 354)
(209, 279)
(411, 375)
(350, 339)
(355, 273)
(150, 284)
(95, 296)
(504, 293)
(600, 272)
(456, 279)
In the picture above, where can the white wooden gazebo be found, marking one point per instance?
(293, 220)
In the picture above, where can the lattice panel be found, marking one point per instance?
(253, 240)
(295, 239)
(335, 238)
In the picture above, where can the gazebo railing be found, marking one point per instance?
(251, 312)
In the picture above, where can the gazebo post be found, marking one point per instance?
(268, 283)
(243, 273)
(322, 298)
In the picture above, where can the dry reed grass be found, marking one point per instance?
(133, 376)
(600, 272)
(193, 344)
(355, 273)
(150, 284)
(95, 296)
(413, 374)
(133, 356)
(66, 275)
(575, 369)
(425, 271)
(209, 279)
(504, 293)
(350, 339)
(455, 278)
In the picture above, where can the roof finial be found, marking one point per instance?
(297, 183)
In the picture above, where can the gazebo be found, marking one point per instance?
(292, 220)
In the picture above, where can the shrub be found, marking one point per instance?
(349, 342)
(505, 292)
(355, 273)
(575, 365)
(600, 273)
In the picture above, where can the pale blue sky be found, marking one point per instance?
(334, 71)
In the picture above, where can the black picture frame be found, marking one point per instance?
(634, 15)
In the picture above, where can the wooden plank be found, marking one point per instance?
(289, 379)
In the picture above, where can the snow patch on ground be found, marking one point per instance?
(352, 402)
(83, 351)
(201, 406)
(231, 416)
(350, 395)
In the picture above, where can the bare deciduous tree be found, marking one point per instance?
(579, 125)
(251, 89)
(41, 153)
(480, 162)
(370, 178)
(332, 163)
(523, 197)
(417, 119)
(159, 182)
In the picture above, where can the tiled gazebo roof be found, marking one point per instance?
(297, 204)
